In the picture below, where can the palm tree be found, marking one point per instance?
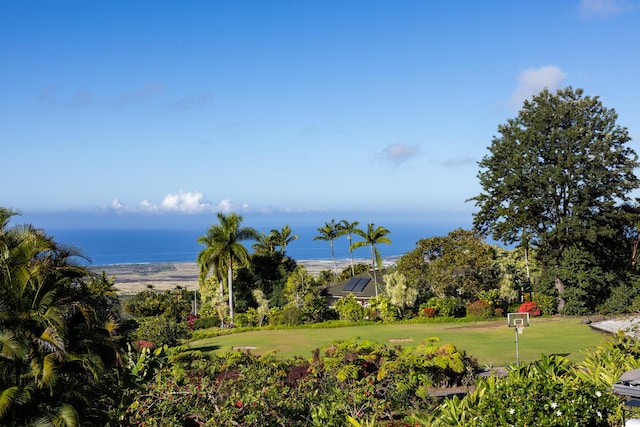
(372, 237)
(283, 237)
(266, 243)
(348, 228)
(329, 232)
(224, 248)
(57, 333)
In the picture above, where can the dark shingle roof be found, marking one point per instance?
(361, 285)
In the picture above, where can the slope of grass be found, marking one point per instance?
(492, 343)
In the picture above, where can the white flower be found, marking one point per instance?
(598, 394)
(559, 413)
(512, 411)
(599, 414)
(554, 405)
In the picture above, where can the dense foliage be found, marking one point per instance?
(58, 333)
(357, 379)
(550, 392)
(555, 178)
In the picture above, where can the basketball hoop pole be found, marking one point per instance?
(517, 353)
(518, 321)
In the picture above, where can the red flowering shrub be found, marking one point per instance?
(428, 312)
(498, 312)
(529, 307)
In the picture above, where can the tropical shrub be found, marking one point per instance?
(480, 310)
(206, 322)
(548, 304)
(543, 393)
(380, 307)
(427, 311)
(349, 308)
(162, 330)
(362, 380)
(447, 307)
(529, 307)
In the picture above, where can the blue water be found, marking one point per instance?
(123, 246)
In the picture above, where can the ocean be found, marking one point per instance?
(131, 246)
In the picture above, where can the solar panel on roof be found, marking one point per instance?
(362, 283)
(351, 284)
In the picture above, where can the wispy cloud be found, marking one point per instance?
(534, 80)
(140, 94)
(456, 162)
(400, 152)
(190, 202)
(82, 98)
(605, 8)
(191, 102)
(51, 97)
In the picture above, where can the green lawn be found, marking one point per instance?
(492, 343)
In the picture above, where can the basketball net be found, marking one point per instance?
(520, 328)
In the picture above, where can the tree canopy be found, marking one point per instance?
(557, 173)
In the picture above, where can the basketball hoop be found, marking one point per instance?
(518, 321)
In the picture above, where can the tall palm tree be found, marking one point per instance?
(372, 237)
(283, 237)
(328, 233)
(346, 228)
(224, 248)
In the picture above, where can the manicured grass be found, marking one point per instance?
(492, 343)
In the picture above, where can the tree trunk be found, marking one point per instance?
(333, 257)
(560, 287)
(373, 265)
(230, 282)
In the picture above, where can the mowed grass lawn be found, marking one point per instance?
(492, 343)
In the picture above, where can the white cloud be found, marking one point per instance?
(604, 8)
(533, 80)
(400, 152)
(190, 202)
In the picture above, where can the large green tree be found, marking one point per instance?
(458, 265)
(557, 173)
(373, 236)
(223, 246)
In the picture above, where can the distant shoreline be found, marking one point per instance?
(131, 278)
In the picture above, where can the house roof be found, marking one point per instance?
(361, 286)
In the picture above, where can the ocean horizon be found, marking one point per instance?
(133, 246)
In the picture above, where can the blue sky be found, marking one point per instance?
(365, 107)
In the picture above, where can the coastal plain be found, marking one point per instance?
(133, 278)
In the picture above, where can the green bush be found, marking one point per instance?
(350, 309)
(480, 310)
(548, 304)
(207, 322)
(292, 316)
(447, 307)
(162, 330)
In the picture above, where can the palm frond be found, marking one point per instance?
(7, 399)
(9, 347)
